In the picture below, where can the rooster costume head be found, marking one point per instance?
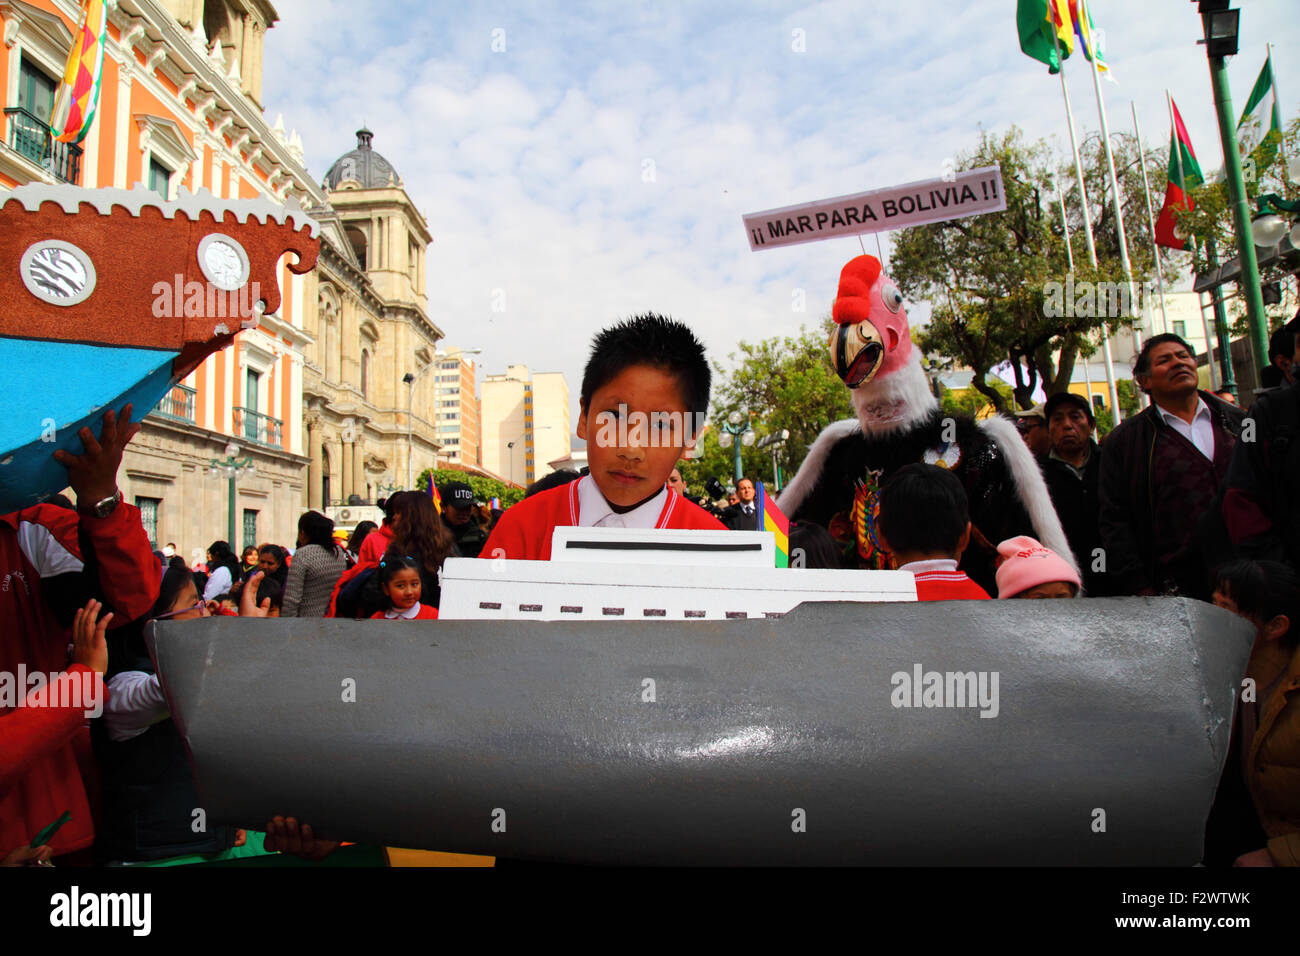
(871, 348)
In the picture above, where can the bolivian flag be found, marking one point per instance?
(771, 519)
(1036, 21)
(78, 94)
(1086, 31)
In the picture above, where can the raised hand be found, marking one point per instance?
(93, 474)
(248, 606)
(89, 646)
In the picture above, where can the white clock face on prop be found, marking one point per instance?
(224, 261)
(57, 272)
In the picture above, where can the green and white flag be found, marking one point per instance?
(1262, 113)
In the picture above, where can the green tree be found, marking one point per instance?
(784, 383)
(997, 282)
(1128, 396)
(972, 401)
(485, 489)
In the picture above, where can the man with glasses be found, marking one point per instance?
(1032, 423)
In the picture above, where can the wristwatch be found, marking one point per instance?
(101, 508)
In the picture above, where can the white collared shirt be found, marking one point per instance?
(594, 511)
(933, 564)
(393, 614)
(1201, 430)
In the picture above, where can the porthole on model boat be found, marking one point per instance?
(224, 261)
(57, 272)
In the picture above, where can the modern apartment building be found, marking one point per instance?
(456, 408)
(524, 421)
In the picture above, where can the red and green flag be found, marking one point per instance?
(771, 519)
(78, 93)
(1184, 176)
(1036, 21)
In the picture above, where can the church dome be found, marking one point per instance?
(363, 166)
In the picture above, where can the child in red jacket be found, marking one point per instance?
(644, 392)
(399, 580)
(44, 571)
(925, 521)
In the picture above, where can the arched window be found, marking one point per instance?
(325, 478)
(365, 373)
(358, 240)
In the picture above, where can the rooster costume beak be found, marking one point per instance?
(871, 333)
(859, 351)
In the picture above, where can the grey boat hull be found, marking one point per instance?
(777, 741)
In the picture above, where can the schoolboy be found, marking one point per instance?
(925, 521)
(644, 391)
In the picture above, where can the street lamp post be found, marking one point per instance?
(410, 379)
(775, 441)
(510, 445)
(1220, 42)
(234, 468)
(735, 433)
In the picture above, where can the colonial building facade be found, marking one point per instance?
(366, 392)
(314, 397)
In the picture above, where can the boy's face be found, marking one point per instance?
(635, 428)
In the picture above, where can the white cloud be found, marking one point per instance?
(529, 164)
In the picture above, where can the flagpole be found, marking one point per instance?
(1277, 98)
(1209, 344)
(1151, 217)
(1065, 224)
(1069, 255)
(1117, 201)
(1087, 223)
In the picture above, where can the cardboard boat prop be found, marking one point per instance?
(109, 296)
(833, 721)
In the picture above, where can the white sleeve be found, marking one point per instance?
(218, 584)
(46, 553)
(135, 703)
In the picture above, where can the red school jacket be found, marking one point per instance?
(524, 530)
(947, 586)
(426, 613)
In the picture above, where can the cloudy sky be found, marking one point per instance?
(579, 162)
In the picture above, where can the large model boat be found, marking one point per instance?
(109, 296)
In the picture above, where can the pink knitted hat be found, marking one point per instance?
(1023, 563)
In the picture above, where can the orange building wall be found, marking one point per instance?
(231, 182)
(107, 121)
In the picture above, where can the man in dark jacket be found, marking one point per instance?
(1072, 469)
(1162, 472)
(743, 516)
(458, 516)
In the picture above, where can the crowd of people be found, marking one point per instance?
(1188, 497)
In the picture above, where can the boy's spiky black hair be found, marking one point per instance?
(923, 510)
(654, 340)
